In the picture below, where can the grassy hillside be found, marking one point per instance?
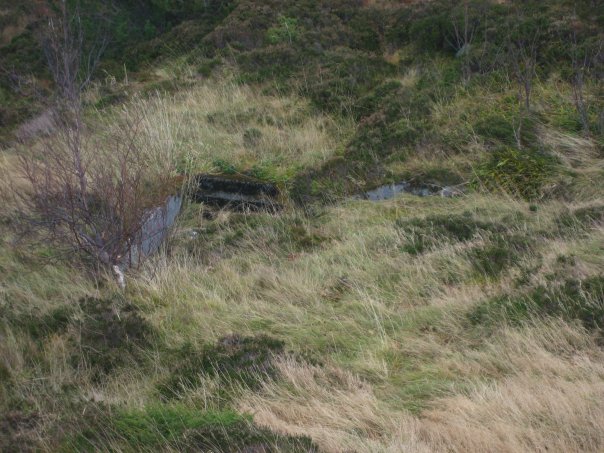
(420, 324)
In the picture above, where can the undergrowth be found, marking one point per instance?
(468, 323)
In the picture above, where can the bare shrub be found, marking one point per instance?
(523, 47)
(464, 29)
(583, 60)
(90, 195)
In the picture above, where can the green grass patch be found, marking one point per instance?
(180, 428)
(499, 253)
(581, 300)
(158, 424)
(523, 173)
(234, 359)
(500, 128)
(427, 233)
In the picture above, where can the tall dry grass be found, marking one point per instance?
(383, 358)
(545, 397)
(372, 300)
(400, 369)
(216, 126)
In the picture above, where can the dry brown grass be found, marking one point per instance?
(574, 151)
(336, 409)
(480, 387)
(213, 124)
(395, 365)
(548, 400)
(11, 182)
(544, 396)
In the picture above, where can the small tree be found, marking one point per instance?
(464, 29)
(90, 196)
(522, 52)
(523, 43)
(583, 58)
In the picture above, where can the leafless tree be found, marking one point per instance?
(92, 196)
(522, 47)
(463, 36)
(94, 199)
(71, 62)
(582, 61)
(523, 59)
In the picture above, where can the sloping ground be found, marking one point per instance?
(223, 127)
(425, 324)
(416, 323)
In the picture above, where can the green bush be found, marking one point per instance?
(430, 33)
(521, 173)
(278, 63)
(224, 167)
(501, 252)
(378, 138)
(365, 26)
(149, 30)
(378, 98)
(111, 333)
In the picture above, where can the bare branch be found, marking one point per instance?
(87, 195)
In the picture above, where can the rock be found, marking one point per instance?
(235, 193)
(449, 192)
(153, 232)
(421, 190)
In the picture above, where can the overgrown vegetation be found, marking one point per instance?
(572, 299)
(422, 324)
(521, 173)
(234, 359)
